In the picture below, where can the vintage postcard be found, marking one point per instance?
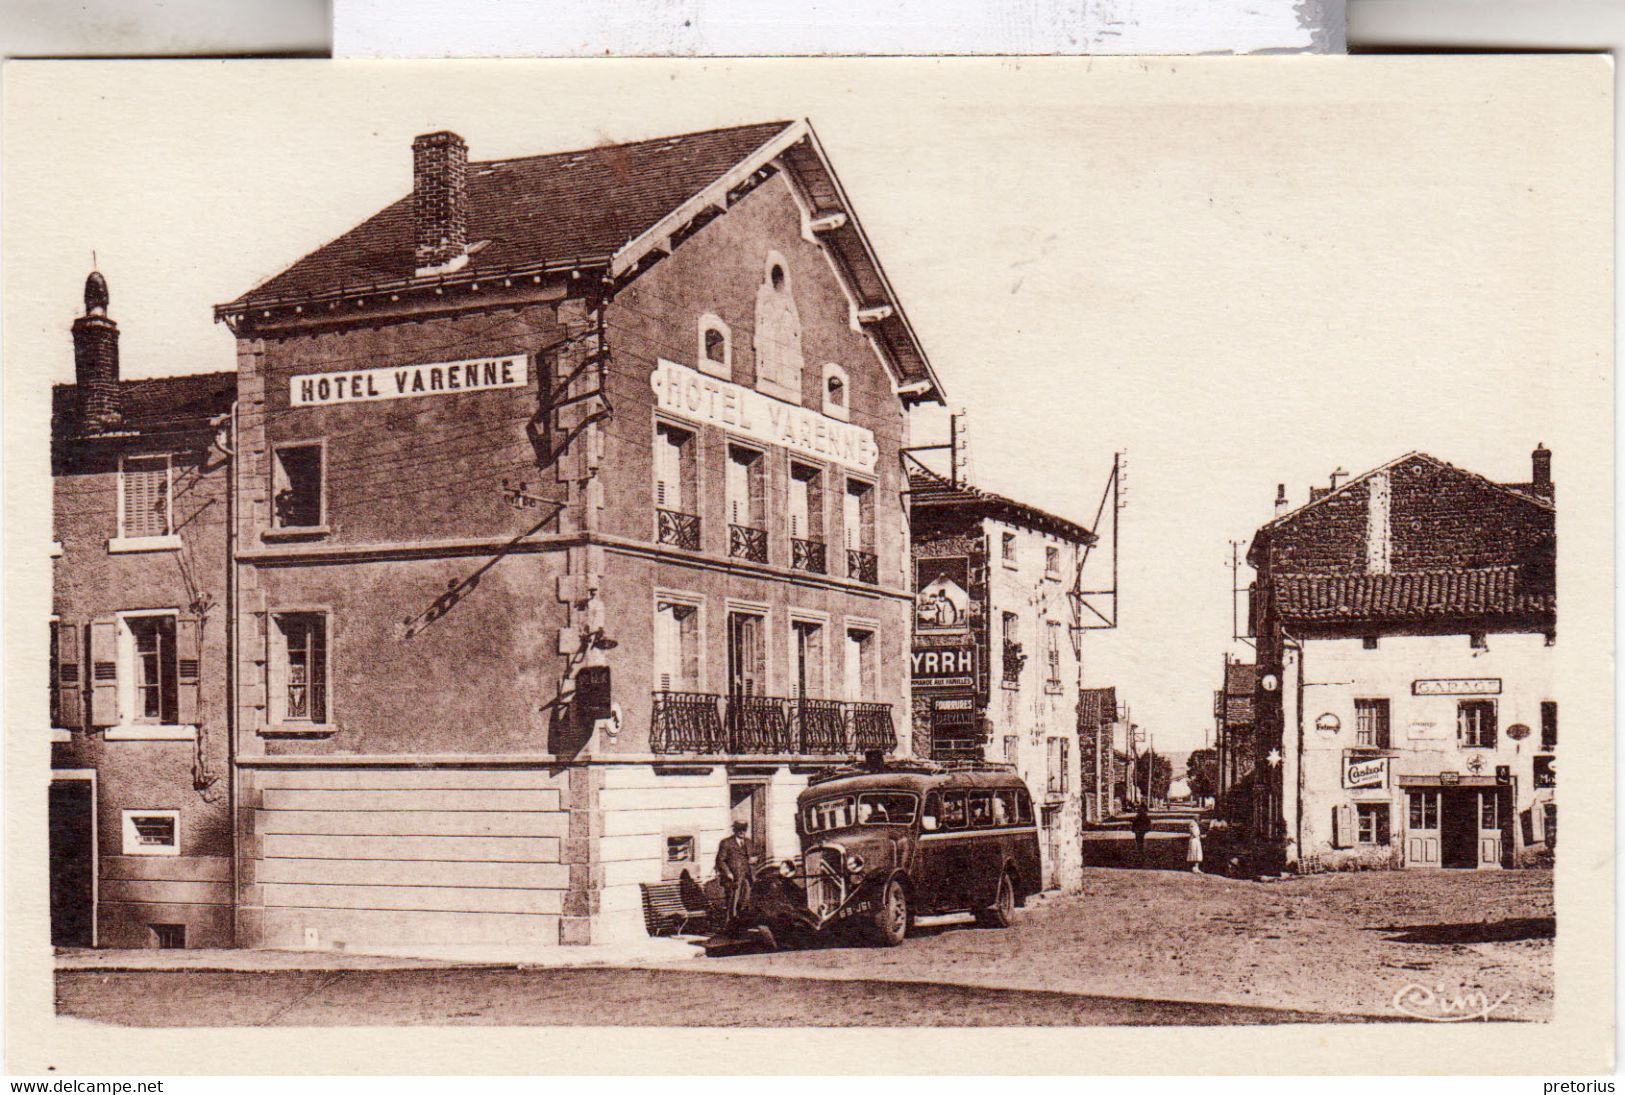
(1021, 565)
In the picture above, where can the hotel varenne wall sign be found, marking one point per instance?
(751, 414)
(406, 381)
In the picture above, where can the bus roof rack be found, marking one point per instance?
(911, 764)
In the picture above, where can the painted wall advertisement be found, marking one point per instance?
(1365, 771)
(942, 595)
(944, 667)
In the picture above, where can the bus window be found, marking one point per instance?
(953, 810)
(886, 808)
(832, 813)
(1004, 807)
(931, 820)
(981, 809)
(1024, 807)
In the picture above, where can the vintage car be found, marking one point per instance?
(882, 845)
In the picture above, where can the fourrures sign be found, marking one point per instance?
(405, 381)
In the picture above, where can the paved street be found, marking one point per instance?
(1137, 947)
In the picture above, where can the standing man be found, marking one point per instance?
(1141, 826)
(733, 867)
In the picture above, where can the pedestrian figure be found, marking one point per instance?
(1141, 826)
(733, 868)
(1193, 850)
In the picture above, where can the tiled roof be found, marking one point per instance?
(1473, 591)
(557, 208)
(157, 403)
(1097, 707)
(928, 489)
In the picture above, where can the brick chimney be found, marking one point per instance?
(1540, 463)
(95, 360)
(439, 202)
(1280, 499)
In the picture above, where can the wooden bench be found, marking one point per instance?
(668, 909)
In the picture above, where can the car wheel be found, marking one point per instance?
(891, 919)
(1003, 910)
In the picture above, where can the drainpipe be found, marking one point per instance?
(1297, 834)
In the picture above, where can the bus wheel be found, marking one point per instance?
(891, 919)
(1003, 910)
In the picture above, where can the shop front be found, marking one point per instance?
(1458, 822)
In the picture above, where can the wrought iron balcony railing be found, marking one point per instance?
(871, 727)
(745, 542)
(699, 722)
(758, 724)
(820, 726)
(808, 555)
(678, 529)
(686, 722)
(862, 566)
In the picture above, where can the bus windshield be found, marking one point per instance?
(870, 808)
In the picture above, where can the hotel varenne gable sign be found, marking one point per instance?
(744, 411)
(406, 381)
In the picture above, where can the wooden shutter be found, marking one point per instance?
(798, 506)
(69, 678)
(756, 488)
(146, 496)
(1343, 826)
(738, 493)
(851, 519)
(188, 678)
(104, 673)
(666, 484)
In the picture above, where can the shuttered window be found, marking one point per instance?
(677, 646)
(674, 469)
(155, 685)
(806, 503)
(144, 489)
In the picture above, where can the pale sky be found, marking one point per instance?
(1239, 283)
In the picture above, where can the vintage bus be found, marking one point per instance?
(882, 845)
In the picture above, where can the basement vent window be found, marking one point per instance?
(152, 832)
(168, 936)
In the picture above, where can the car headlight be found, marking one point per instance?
(854, 863)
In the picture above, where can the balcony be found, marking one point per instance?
(703, 723)
(678, 529)
(749, 543)
(808, 555)
(862, 566)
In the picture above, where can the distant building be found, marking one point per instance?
(1406, 622)
(1234, 708)
(1098, 729)
(140, 823)
(996, 656)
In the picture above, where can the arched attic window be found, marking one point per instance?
(777, 337)
(715, 351)
(837, 391)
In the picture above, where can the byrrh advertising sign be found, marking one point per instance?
(1365, 771)
(751, 414)
(944, 667)
(406, 381)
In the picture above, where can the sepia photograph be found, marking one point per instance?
(768, 545)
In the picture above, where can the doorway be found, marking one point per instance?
(72, 823)
(747, 802)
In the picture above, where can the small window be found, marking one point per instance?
(296, 490)
(1054, 783)
(299, 668)
(1052, 655)
(144, 496)
(1489, 810)
(837, 392)
(1475, 724)
(680, 849)
(981, 809)
(1371, 723)
(776, 276)
(1007, 548)
(1012, 748)
(151, 832)
(1014, 658)
(1372, 819)
(1052, 561)
(858, 521)
(1004, 807)
(953, 810)
(168, 936)
(1024, 807)
(676, 488)
(806, 507)
(1548, 724)
(862, 672)
(715, 347)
